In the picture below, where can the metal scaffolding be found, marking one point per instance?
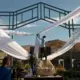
(33, 13)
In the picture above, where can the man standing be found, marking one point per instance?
(5, 72)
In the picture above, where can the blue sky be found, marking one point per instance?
(55, 33)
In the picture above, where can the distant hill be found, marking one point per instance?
(55, 45)
(27, 47)
(77, 47)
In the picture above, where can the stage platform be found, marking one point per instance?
(45, 78)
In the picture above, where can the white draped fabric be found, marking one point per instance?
(70, 43)
(68, 17)
(12, 48)
(36, 49)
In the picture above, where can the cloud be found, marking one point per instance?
(2, 23)
(6, 27)
(75, 20)
(30, 25)
(27, 26)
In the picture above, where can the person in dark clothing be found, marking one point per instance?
(5, 72)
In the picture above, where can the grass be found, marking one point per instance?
(2, 54)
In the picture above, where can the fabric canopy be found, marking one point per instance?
(12, 48)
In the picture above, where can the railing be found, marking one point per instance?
(33, 13)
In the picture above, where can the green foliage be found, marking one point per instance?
(27, 68)
(17, 64)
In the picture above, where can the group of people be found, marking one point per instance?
(6, 73)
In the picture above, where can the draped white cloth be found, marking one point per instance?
(70, 43)
(12, 48)
(36, 49)
(68, 17)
